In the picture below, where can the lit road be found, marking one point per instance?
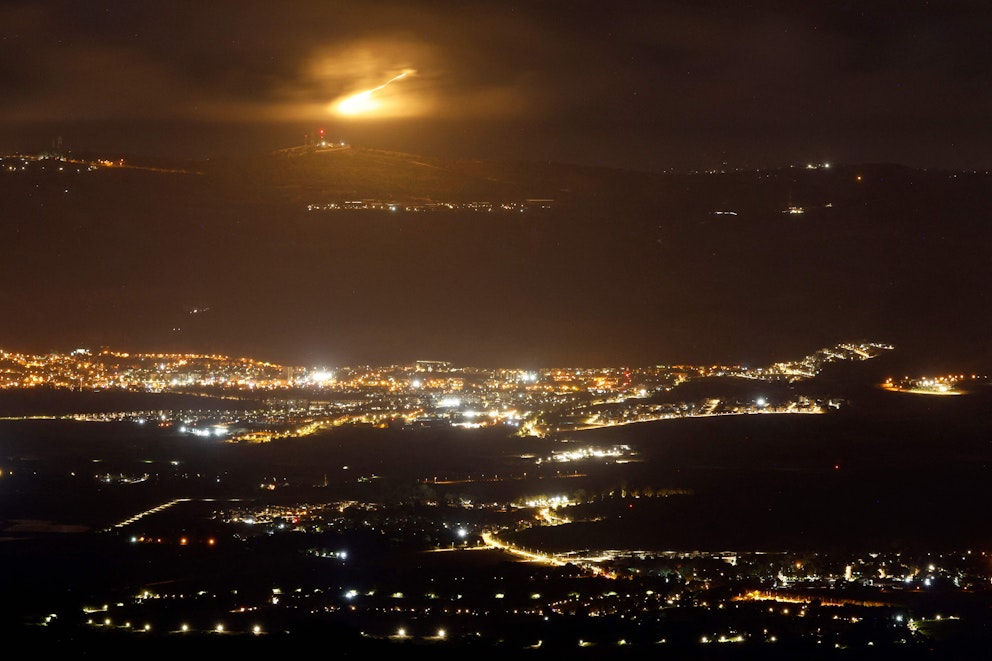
(493, 543)
(160, 508)
(153, 510)
(533, 556)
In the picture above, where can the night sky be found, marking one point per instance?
(650, 85)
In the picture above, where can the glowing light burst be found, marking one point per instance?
(364, 102)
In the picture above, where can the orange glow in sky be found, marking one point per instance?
(365, 102)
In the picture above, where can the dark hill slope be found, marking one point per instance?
(349, 173)
(625, 268)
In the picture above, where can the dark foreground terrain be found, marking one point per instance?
(891, 479)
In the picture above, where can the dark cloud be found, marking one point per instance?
(651, 84)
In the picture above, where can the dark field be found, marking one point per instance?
(888, 469)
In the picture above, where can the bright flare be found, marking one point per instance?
(363, 102)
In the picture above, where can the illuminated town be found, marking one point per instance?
(947, 384)
(479, 558)
(295, 401)
(482, 207)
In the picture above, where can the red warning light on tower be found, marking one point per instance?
(319, 141)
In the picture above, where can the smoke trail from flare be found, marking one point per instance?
(363, 102)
